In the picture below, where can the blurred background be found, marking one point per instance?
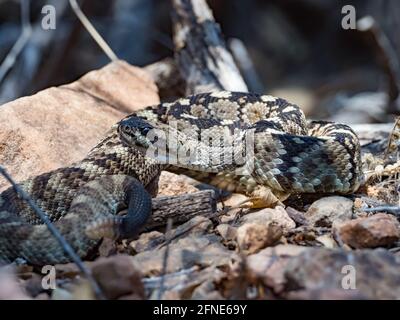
(298, 48)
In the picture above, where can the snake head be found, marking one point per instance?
(134, 131)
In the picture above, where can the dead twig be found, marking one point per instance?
(245, 64)
(59, 237)
(16, 49)
(394, 210)
(165, 259)
(92, 31)
(200, 50)
(385, 53)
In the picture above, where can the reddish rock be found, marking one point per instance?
(59, 125)
(376, 231)
(118, 276)
(371, 274)
(268, 265)
(253, 237)
(277, 215)
(172, 184)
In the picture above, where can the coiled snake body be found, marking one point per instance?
(83, 200)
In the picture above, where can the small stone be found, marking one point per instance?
(172, 184)
(232, 215)
(326, 294)
(61, 294)
(323, 212)
(277, 215)
(10, 287)
(374, 274)
(42, 296)
(252, 237)
(147, 241)
(376, 231)
(107, 247)
(226, 231)
(236, 199)
(327, 241)
(268, 265)
(184, 253)
(118, 276)
(296, 216)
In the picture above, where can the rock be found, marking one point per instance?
(232, 215)
(378, 230)
(107, 247)
(198, 225)
(61, 294)
(236, 199)
(327, 240)
(323, 212)
(10, 289)
(296, 216)
(42, 296)
(206, 291)
(373, 273)
(187, 252)
(33, 286)
(227, 231)
(277, 215)
(187, 284)
(267, 266)
(252, 237)
(59, 125)
(326, 294)
(172, 184)
(147, 241)
(118, 276)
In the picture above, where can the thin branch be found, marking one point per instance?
(200, 50)
(384, 51)
(92, 31)
(165, 259)
(16, 49)
(154, 282)
(394, 210)
(62, 241)
(245, 64)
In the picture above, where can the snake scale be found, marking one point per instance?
(83, 200)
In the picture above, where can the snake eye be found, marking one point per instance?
(145, 130)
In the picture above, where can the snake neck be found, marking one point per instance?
(215, 154)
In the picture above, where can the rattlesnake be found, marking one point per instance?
(83, 199)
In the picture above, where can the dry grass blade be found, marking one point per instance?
(165, 259)
(92, 31)
(21, 41)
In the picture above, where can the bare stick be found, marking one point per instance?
(245, 64)
(21, 41)
(385, 52)
(63, 242)
(165, 258)
(394, 210)
(92, 31)
(200, 50)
